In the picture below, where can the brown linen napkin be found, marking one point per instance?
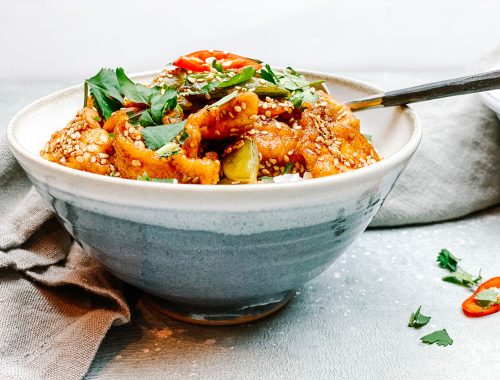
(56, 303)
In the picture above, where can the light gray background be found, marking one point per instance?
(60, 39)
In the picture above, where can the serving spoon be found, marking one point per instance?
(435, 90)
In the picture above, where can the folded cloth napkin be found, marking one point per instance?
(456, 169)
(56, 303)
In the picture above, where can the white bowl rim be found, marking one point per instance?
(398, 157)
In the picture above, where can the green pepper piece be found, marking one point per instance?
(242, 165)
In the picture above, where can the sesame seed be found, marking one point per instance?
(265, 172)
(136, 163)
(272, 161)
(237, 108)
(93, 159)
(268, 113)
(243, 105)
(286, 158)
(231, 115)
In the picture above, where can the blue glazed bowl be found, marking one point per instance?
(215, 254)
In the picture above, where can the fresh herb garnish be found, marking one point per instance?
(488, 297)
(302, 90)
(158, 136)
(109, 88)
(112, 135)
(457, 276)
(134, 92)
(145, 177)
(446, 260)
(268, 74)
(169, 149)
(97, 118)
(440, 337)
(105, 89)
(224, 100)
(418, 320)
(463, 278)
(288, 167)
(246, 74)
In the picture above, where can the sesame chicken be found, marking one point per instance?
(82, 144)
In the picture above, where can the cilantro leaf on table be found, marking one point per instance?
(246, 74)
(418, 320)
(488, 297)
(440, 337)
(446, 260)
(157, 136)
(463, 278)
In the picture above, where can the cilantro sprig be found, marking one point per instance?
(488, 297)
(446, 260)
(457, 276)
(440, 337)
(302, 91)
(417, 319)
(110, 88)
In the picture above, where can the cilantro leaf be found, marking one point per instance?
(135, 92)
(446, 260)
(146, 120)
(418, 320)
(463, 278)
(268, 74)
(288, 167)
(161, 103)
(106, 81)
(244, 75)
(224, 100)
(158, 136)
(486, 298)
(440, 337)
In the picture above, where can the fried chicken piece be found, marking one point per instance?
(326, 141)
(82, 144)
(133, 159)
(231, 119)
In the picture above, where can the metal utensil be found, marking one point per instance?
(435, 90)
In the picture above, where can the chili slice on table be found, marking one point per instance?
(470, 306)
(200, 61)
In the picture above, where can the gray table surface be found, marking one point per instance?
(349, 323)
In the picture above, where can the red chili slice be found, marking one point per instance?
(470, 306)
(197, 61)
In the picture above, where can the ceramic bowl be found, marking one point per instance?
(216, 254)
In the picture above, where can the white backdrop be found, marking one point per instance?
(56, 38)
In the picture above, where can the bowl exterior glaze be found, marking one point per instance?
(212, 245)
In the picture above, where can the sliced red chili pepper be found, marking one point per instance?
(197, 61)
(470, 306)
